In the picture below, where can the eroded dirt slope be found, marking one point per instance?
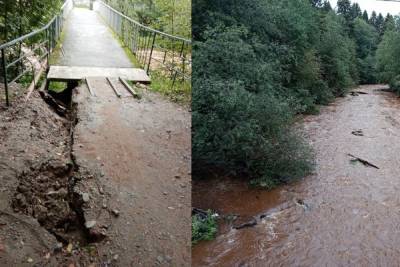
(108, 184)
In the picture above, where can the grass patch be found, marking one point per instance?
(179, 92)
(56, 55)
(57, 87)
(203, 228)
(26, 80)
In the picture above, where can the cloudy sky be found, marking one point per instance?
(379, 6)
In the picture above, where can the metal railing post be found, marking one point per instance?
(48, 45)
(151, 53)
(4, 65)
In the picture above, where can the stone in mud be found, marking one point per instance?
(90, 224)
(85, 197)
(115, 212)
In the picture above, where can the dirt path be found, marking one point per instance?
(143, 149)
(346, 214)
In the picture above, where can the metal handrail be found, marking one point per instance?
(144, 26)
(52, 30)
(143, 42)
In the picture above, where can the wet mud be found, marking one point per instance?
(345, 214)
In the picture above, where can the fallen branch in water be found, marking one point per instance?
(363, 161)
(357, 133)
(250, 223)
(202, 213)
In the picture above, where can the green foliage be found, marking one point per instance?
(173, 17)
(57, 87)
(203, 228)
(21, 17)
(180, 91)
(366, 38)
(338, 55)
(395, 84)
(387, 56)
(253, 75)
(248, 81)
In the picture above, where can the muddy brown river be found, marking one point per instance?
(349, 213)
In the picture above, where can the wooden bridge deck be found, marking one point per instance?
(67, 73)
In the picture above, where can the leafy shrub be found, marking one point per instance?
(395, 84)
(203, 228)
(241, 124)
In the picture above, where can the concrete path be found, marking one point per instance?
(89, 42)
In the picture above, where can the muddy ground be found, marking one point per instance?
(106, 184)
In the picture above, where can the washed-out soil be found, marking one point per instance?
(43, 192)
(106, 183)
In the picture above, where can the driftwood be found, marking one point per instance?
(356, 93)
(199, 212)
(363, 161)
(35, 81)
(251, 223)
(357, 133)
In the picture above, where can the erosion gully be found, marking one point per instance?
(344, 214)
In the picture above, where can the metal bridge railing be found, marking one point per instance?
(154, 50)
(31, 49)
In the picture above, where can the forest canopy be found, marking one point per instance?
(259, 63)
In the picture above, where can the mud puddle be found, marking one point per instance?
(346, 213)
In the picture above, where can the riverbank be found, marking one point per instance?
(297, 224)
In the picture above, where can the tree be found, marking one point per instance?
(326, 6)
(379, 24)
(387, 56)
(365, 16)
(390, 24)
(355, 11)
(373, 19)
(366, 38)
(344, 9)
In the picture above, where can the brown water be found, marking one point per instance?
(353, 211)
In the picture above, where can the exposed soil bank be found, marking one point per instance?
(345, 214)
(37, 177)
(106, 185)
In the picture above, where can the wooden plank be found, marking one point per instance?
(66, 73)
(129, 88)
(35, 80)
(113, 87)
(90, 87)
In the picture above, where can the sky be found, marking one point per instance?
(383, 7)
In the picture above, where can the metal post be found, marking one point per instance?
(91, 5)
(151, 53)
(48, 45)
(176, 72)
(4, 63)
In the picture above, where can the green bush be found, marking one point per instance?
(203, 228)
(259, 63)
(395, 84)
